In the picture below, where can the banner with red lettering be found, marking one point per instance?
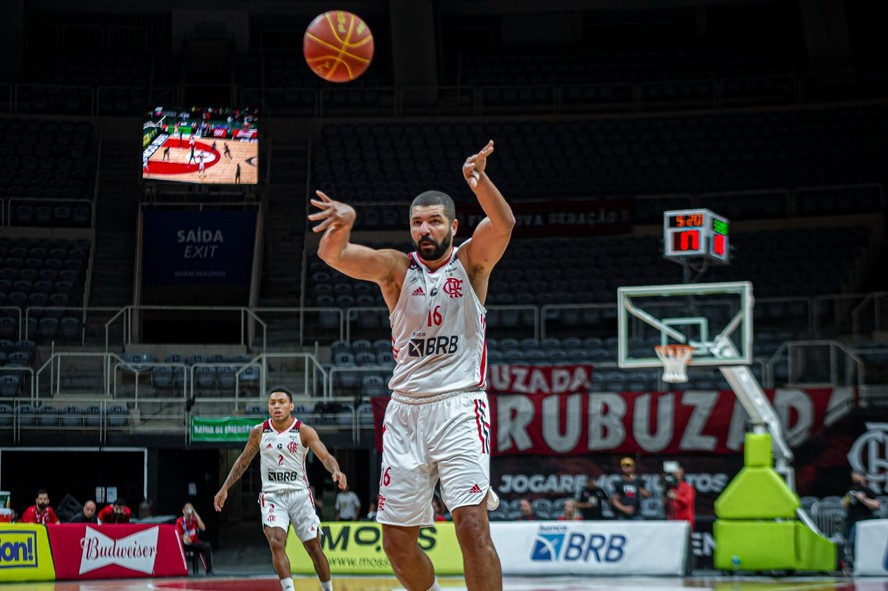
(113, 551)
(695, 421)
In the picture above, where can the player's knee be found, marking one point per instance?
(276, 541)
(397, 545)
(471, 525)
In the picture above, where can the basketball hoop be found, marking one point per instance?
(675, 360)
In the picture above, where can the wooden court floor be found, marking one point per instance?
(345, 583)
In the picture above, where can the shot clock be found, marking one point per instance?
(695, 233)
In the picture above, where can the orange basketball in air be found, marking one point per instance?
(338, 46)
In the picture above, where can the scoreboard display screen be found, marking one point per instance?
(695, 233)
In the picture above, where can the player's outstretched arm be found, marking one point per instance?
(491, 236)
(335, 219)
(312, 441)
(240, 466)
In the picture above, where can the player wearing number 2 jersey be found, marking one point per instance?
(436, 426)
(282, 443)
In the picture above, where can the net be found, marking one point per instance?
(675, 360)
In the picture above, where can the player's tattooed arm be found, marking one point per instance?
(240, 466)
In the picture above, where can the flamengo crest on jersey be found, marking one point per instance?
(282, 458)
(438, 331)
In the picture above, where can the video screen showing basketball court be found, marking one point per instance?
(201, 145)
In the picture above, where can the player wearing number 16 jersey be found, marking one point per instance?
(282, 443)
(436, 426)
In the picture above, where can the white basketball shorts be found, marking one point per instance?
(446, 439)
(280, 509)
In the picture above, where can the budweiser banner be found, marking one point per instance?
(710, 422)
(561, 217)
(115, 551)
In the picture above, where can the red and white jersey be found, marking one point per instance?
(282, 458)
(438, 332)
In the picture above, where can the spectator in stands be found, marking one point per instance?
(628, 492)
(371, 512)
(527, 513)
(116, 512)
(189, 527)
(571, 513)
(440, 512)
(860, 503)
(348, 505)
(680, 497)
(40, 511)
(87, 514)
(591, 501)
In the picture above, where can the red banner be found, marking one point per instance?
(114, 551)
(709, 422)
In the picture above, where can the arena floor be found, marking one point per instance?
(344, 583)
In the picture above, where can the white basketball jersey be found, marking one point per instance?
(438, 332)
(282, 458)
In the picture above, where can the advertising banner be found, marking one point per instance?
(561, 217)
(592, 548)
(223, 429)
(198, 247)
(525, 548)
(116, 551)
(356, 548)
(25, 553)
(871, 548)
(691, 422)
(539, 379)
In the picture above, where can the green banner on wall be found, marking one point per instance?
(221, 429)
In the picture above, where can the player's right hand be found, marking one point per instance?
(219, 499)
(332, 213)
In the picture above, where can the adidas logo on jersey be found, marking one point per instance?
(418, 291)
(475, 490)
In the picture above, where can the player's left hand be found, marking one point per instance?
(340, 479)
(475, 164)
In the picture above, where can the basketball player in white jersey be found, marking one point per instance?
(283, 442)
(436, 425)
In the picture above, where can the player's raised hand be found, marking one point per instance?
(475, 164)
(332, 213)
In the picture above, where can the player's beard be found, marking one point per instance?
(437, 248)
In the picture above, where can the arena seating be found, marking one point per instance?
(47, 165)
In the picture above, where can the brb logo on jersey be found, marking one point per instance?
(442, 345)
(558, 543)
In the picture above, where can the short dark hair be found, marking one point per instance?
(282, 390)
(119, 501)
(436, 198)
(42, 491)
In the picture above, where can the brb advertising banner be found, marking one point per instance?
(592, 548)
(25, 553)
(198, 248)
(116, 551)
(356, 548)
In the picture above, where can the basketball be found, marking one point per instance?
(338, 46)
